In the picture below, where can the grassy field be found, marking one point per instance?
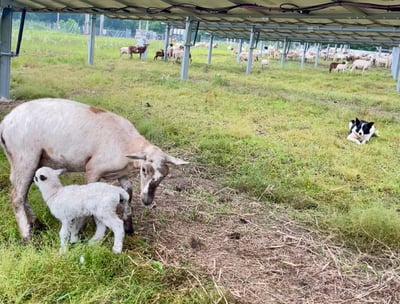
(278, 135)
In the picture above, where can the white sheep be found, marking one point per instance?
(124, 50)
(341, 67)
(62, 133)
(170, 50)
(72, 204)
(264, 63)
(244, 56)
(178, 55)
(361, 64)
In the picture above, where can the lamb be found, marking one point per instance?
(333, 65)
(264, 63)
(341, 67)
(72, 204)
(62, 133)
(160, 54)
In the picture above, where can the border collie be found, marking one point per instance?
(361, 131)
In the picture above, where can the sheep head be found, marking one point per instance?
(153, 169)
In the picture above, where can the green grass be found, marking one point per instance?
(277, 134)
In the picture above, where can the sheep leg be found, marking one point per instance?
(93, 175)
(64, 235)
(75, 227)
(117, 226)
(100, 231)
(24, 214)
(127, 186)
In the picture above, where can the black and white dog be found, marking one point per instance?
(361, 131)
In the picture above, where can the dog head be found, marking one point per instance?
(359, 128)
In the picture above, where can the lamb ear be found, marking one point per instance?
(175, 161)
(140, 155)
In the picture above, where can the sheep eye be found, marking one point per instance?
(42, 177)
(143, 170)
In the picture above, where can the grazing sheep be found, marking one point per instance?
(133, 49)
(333, 65)
(341, 67)
(160, 54)
(62, 133)
(264, 63)
(243, 56)
(178, 55)
(71, 204)
(360, 64)
(138, 49)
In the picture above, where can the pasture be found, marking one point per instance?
(276, 206)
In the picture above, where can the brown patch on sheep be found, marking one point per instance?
(96, 110)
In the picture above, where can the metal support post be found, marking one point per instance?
(166, 41)
(5, 51)
(239, 50)
(91, 39)
(252, 45)
(186, 51)
(210, 47)
(318, 50)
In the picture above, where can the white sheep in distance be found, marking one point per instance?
(264, 63)
(72, 204)
(361, 64)
(61, 133)
(124, 50)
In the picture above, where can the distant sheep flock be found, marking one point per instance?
(342, 60)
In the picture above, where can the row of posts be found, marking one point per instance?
(6, 54)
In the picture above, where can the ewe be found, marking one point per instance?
(63, 133)
(73, 204)
(361, 64)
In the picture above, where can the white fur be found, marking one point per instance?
(361, 139)
(62, 133)
(341, 67)
(73, 204)
(264, 63)
(361, 64)
(124, 50)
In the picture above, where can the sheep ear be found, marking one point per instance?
(175, 161)
(61, 171)
(140, 155)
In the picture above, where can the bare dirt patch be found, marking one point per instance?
(256, 251)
